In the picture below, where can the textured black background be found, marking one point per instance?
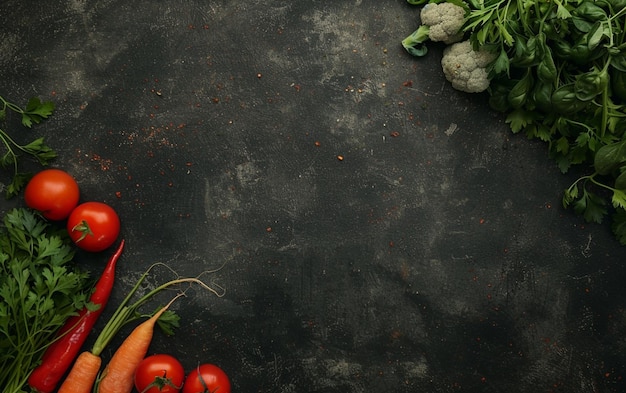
(434, 257)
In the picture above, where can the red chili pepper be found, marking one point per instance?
(61, 353)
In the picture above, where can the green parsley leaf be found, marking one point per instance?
(591, 207)
(40, 287)
(34, 112)
(619, 199)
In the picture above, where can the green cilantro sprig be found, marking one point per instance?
(40, 288)
(33, 113)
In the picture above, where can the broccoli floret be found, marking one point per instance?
(466, 68)
(440, 22)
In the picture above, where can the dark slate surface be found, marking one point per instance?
(435, 257)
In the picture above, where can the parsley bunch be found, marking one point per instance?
(559, 75)
(33, 113)
(39, 289)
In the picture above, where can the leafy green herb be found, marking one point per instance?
(34, 112)
(566, 59)
(559, 75)
(39, 289)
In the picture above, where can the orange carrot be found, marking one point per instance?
(117, 377)
(83, 374)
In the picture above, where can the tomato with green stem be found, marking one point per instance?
(159, 373)
(53, 192)
(207, 378)
(93, 226)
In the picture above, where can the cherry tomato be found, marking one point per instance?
(207, 378)
(159, 373)
(53, 192)
(93, 226)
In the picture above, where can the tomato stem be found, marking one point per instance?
(83, 228)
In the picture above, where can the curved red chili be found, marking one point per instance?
(61, 353)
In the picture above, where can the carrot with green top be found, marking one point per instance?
(118, 374)
(84, 373)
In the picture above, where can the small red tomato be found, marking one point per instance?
(53, 192)
(207, 378)
(159, 373)
(93, 226)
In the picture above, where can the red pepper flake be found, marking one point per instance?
(268, 229)
(395, 134)
(118, 194)
(318, 144)
(407, 84)
(340, 158)
(205, 27)
(481, 221)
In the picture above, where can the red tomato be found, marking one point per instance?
(53, 192)
(207, 378)
(93, 226)
(159, 373)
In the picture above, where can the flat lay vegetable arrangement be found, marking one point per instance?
(49, 305)
(557, 69)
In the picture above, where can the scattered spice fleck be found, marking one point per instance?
(118, 194)
(259, 75)
(340, 158)
(481, 221)
(268, 229)
(395, 134)
(318, 144)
